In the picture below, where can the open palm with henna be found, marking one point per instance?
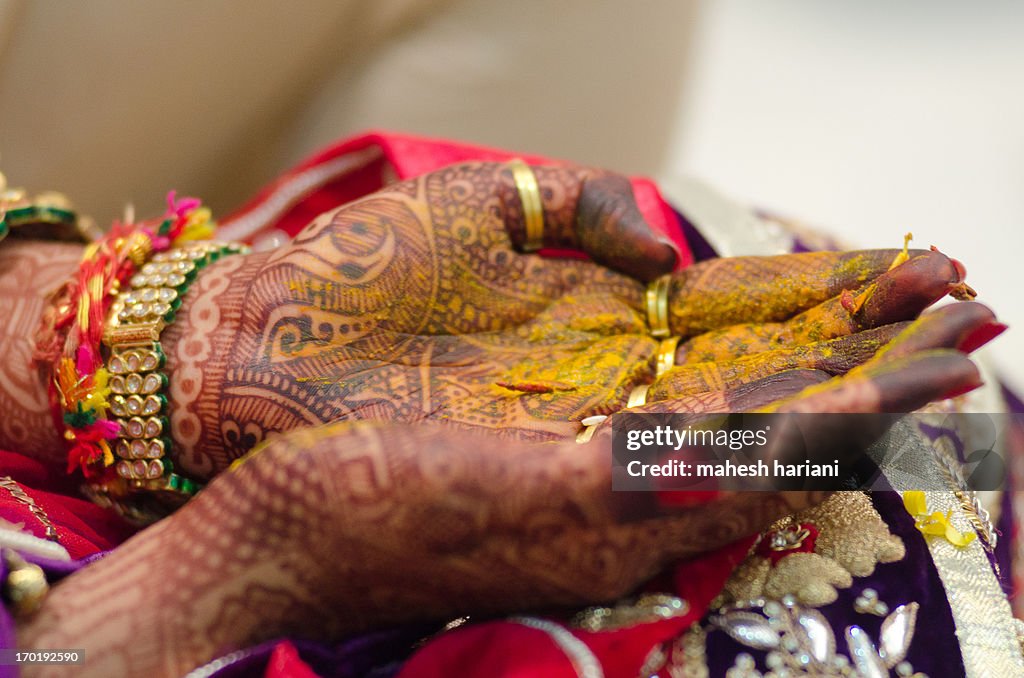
(416, 303)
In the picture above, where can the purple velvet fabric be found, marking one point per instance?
(7, 639)
(1013, 402)
(934, 649)
(1005, 526)
(371, 655)
(699, 246)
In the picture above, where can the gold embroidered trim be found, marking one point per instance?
(648, 608)
(852, 539)
(981, 613)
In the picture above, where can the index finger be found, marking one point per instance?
(588, 210)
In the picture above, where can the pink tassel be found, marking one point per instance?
(181, 207)
(106, 429)
(160, 242)
(86, 360)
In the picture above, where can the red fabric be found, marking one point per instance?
(285, 662)
(82, 527)
(504, 650)
(700, 579)
(495, 650)
(406, 156)
(685, 498)
(23, 469)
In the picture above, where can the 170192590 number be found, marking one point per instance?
(15, 657)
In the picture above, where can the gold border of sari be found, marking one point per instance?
(981, 612)
(985, 627)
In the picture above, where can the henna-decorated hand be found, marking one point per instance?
(413, 304)
(344, 527)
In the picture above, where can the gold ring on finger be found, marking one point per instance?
(533, 207)
(666, 355)
(638, 396)
(657, 306)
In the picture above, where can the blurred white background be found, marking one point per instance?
(866, 118)
(872, 119)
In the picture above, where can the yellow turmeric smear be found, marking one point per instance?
(852, 303)
(772, 292)
(699, 377)
(599, 367)
(326, 381)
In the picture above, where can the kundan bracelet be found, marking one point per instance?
(113, 414)
(137, 400)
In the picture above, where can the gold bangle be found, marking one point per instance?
(666, 355)
(638, 396)
(533, 208)
(45, 216)
(657, 306)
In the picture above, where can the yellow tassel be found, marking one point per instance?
(199, 226)
(90, 251)
(66, 379)
(108, 456)
(83, 312)
(97, 399)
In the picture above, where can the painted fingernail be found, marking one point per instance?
(959, 270)
(686, 498)
(964, 388)
(981, 336)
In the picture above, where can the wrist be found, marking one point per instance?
(204, 344)
(29, 271)
(103, 349)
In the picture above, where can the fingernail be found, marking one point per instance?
(961, 390)
(676, 256)
(981, 336)
(961, 270)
